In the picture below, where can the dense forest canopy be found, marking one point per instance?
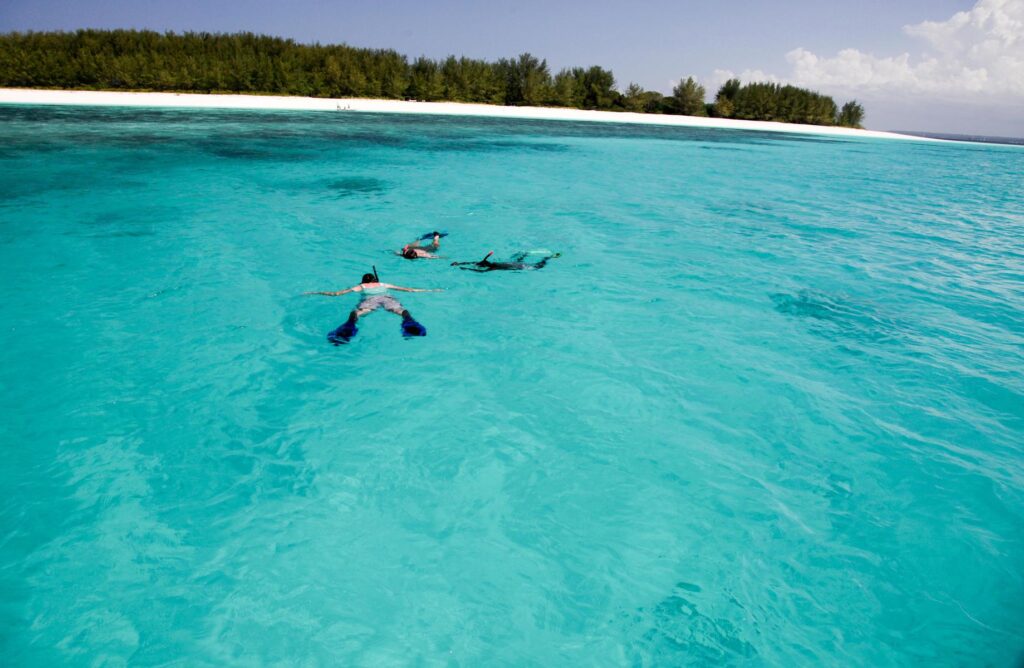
(248, 63)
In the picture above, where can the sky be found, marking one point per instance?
(928, 65)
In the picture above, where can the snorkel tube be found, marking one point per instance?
(375, 273)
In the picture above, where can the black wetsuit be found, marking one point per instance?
(517, 264)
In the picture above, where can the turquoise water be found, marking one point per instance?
(767, 409)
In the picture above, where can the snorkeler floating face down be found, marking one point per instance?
(375, 295)
(518, 263)
(413, 250)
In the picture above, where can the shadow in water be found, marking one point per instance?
(681, 634)
(835, 317)
(353, 186)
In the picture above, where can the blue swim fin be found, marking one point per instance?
(430, 235)
(412, 328)
(344, 333)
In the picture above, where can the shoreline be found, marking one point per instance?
(363, 105)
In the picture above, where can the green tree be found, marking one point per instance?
(633, 99)
(851, 115)
(654, 102)
(598, 87)
(527, 80)
(426, 82)
(756, 102)
(565, 90)
(724, 107)
(687, 98)
(729, 89)
(393, 71)
(455, 78)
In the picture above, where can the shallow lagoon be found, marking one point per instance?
(768, 408)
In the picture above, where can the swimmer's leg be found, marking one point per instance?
(410, 327)
(544, 261)
(346, 331)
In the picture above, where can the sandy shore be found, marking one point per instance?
(199, 101)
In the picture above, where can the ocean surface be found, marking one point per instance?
(766, 409)
(1018, 141)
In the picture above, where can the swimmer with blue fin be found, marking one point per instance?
(374, 296)
(414, 251)
(518, 263)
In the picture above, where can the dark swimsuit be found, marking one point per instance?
(487, 265)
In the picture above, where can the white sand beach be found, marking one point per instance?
(201, 101)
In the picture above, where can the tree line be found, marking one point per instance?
(249, 63)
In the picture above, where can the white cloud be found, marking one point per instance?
(979, 52)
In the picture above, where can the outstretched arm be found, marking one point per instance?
(401, 289)
(335, 294)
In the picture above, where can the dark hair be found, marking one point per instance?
(368, 278)
(409, 254)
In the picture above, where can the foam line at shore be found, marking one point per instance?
(289, 103)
